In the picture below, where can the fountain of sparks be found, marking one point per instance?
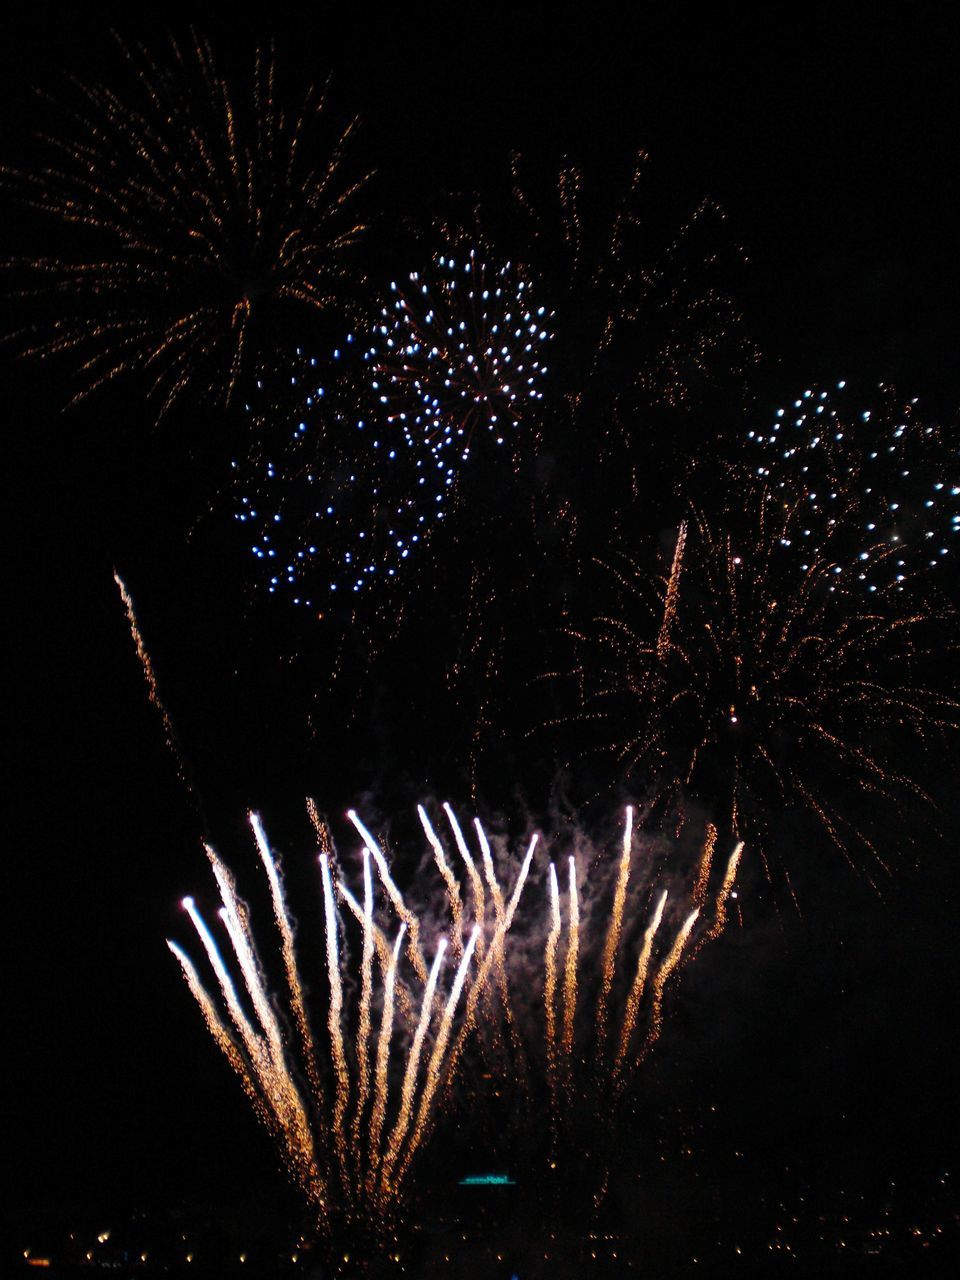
(350, 1108)
(610, 953)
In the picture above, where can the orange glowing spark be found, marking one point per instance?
(550, 987)
(613, 933)
(570, 969)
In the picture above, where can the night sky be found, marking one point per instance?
(821, 1037)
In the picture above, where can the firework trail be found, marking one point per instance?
(290, 964)
(383, 1060)
(480, 986)
(335, 1017)
(664, 972)
(570, 971)
(672, 595)
(153, 692)
(449, 879)
(698, 893)
(221, 1036)
(613, 933)
(396, 897)
(366, 982)
(726, 889)
(550, 989)
(636, 987)
(434, 1076)
(476, 883)
(395, 1141)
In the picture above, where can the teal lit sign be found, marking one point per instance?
(487, 1180)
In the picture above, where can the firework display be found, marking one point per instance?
(879, 482)
(649, 319)
(476, 500)
(752, 683)
(351, 1109)
(343, 501)
(460, 350)
(196, 212)
(386, 426)
(348, 1124)
(592, 1052)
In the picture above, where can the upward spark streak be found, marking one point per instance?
(237, 930)
(222, 1037)
(663, 974)
(613, 933)
(434, 1066)
(396, 897)
(251, 1041)
(636, 988)
(290, 965)
(383, 1063)
(476, 883)
(363, 1030)
(153, 690)
(334, 1020)
(449, 880)
(550, 987)
(483, 973)
(725, 890)
(570, 971)
(499, 915)
(382, 944)
(699, 891)
(673, 592)
(395, 1141)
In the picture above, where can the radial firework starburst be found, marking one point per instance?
(754, 685)
(387, 427)
(198, 212)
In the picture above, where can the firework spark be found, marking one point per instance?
(198, 212)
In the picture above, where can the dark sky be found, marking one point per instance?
(833, 146)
